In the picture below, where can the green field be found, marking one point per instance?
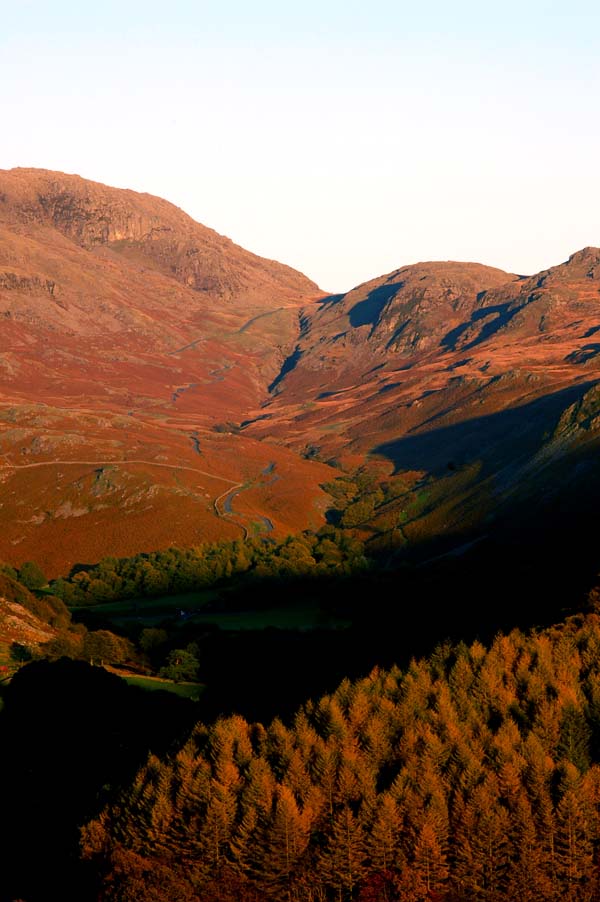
(150, 610)
(299, 615)
(154, 684)
(293, 617)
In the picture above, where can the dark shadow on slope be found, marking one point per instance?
(367, 312)
(583, 354)
(502, 315)
(396, 334)
(70, 735)
(508, 437)
(523, 546)
(330, 300)
(263, 416)
(325, 395)
(459, 363)
(289, 364)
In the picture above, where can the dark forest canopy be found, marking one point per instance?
(473, 774)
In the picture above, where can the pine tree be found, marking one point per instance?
(212, 841)
(575, 736)
(530, 875)
(481, 846)
(342, 861)
(430, 860)
(297, 777)
(383, 839)
(285, 840)
(574, 849)
(255, 804)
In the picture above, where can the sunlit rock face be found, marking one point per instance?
(136, 341)
(131, 332)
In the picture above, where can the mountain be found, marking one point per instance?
(108, 281)
(146, 229)
(132, 339)
(471, 391)
(434, 344)
(160, 385)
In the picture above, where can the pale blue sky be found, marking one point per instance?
(344, 138)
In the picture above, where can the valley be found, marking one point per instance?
(177, 363)
(353, 536)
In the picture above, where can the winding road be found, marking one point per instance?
(108, 463)
(225, 512)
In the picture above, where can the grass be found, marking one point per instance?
(150, 610)
(303, 615)
(155, 684)
(297, 617)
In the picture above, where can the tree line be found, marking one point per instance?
(179, 570)
(471, 775)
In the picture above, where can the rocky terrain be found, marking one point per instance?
(159, 385)
(133, 340)
(435, 343)
(477, 387)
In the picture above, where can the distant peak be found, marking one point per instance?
(582, 264)
(587, 255)
(148, 231)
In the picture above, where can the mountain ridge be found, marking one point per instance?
(176, 364)
(94, 214)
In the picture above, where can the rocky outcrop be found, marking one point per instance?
(111, 301)
(12, 281)
(147, 230)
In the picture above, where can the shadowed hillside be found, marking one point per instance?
(160, 385)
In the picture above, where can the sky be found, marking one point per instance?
(345, 139)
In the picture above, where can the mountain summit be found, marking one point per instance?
(160, 385)
(133, 340)
(146, 230)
